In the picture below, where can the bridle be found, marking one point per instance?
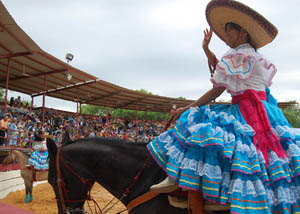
(62, 190)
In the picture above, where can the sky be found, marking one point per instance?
(153, 45)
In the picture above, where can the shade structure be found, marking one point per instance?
(29, 64)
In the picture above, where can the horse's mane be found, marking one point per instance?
(22, 153)
(97, 140)
(108, 149)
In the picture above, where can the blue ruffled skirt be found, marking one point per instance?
(39, 160)
(211, 150)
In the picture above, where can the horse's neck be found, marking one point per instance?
(21, 158)
(133, 167)
(114, 165)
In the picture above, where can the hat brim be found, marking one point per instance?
(220, 12)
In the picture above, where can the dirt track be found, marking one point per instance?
(44, 200)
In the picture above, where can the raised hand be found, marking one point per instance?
(207, 38)
(212, 59)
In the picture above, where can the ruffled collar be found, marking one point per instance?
(246, 49)
(243, 46)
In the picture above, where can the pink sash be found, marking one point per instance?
(254, 113)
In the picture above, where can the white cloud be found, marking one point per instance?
(155, 45)
(179, 14)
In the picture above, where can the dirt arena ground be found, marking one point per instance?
(44, 200)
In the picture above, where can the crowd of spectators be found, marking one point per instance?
(22, 126)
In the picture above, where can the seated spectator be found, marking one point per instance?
(25, 139)
(21, 124)
(58, 137)
(21, 130)
(13, 132)
(29, 126)
(124, 136)
(18, 102)
(92, 133)
(12, 102)
(3, 129)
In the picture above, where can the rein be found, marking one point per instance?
(62, 189)
(148, 195)
(137, 201)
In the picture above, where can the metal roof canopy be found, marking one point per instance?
(29, 65)
(102, 93)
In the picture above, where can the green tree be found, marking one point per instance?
(125, 113)
(94, 110)
(144, 91)
(142, 115)
(2, 94)
(292, 114)
(26, 103)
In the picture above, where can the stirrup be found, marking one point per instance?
(166, 186)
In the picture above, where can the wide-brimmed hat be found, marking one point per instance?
(220, 12)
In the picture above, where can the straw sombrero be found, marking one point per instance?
(220, 12)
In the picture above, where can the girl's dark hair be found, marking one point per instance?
(238, 28)
(233, 26)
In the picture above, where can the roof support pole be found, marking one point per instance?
(31, 107)
(80, 108)
(136, 123)
(164, 115)
(44, 95)
(77, 123)
(106, 123)
(146, 115)
(107, 112)
(6, 90)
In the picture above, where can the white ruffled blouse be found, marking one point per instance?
(243, 68)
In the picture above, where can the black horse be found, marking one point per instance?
(112, 163)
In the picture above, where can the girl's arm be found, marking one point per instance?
(204, 99)
(212, 59)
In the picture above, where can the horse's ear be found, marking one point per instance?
(66, 138)
(52, 149)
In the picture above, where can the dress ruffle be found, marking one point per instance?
(39, 160)
(237, 66)
(211, 150)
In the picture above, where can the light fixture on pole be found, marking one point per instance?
(69, 58)
(68, 76)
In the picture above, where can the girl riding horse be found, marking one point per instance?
(244, 154)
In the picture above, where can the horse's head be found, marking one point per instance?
(52, 175)
(10, 158)
(70, 192)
